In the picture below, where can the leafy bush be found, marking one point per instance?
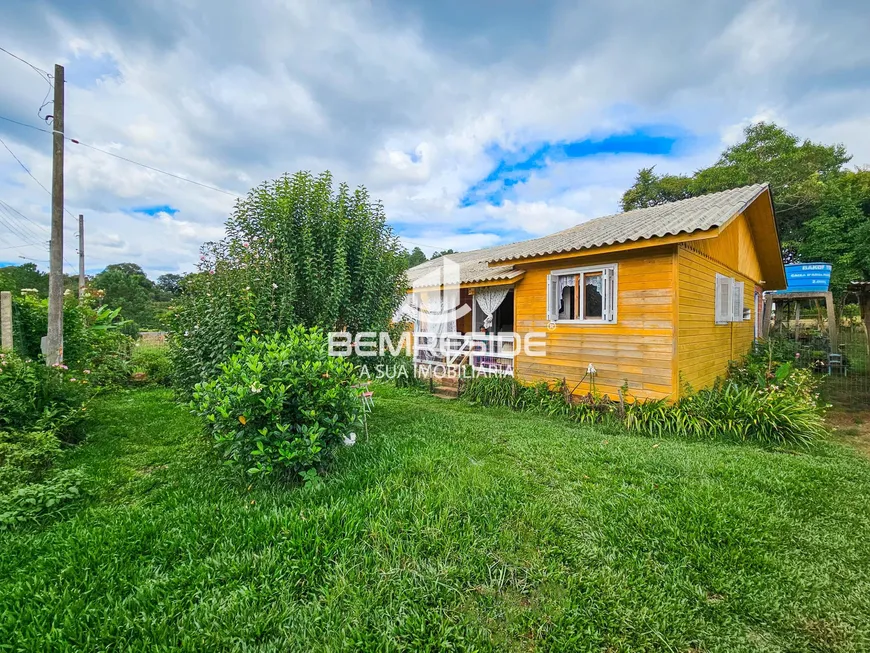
(33, 396)
(297, 252)
(35, 502)
(280, 404)
(93, 338)
(25, 456)
(497, 390)
(29, 325)
(28, 490)
(772, 416)
(154, 364)
(776, 408)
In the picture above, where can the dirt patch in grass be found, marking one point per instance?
(852, 428)
(825, 635)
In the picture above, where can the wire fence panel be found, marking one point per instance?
(844, 367)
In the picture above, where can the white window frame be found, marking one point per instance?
(735, 302)
(610, 288)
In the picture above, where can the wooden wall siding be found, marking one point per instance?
(637, 349)
(704, 347)
(734, 248)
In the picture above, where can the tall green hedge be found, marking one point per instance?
(298, 251)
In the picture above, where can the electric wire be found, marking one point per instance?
(44, 75)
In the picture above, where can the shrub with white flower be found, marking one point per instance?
(280, 404)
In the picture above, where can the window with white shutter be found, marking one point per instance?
(552, 299)
(723, 299)
(582, 295)
(737, 301)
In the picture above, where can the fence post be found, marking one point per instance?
(6, 320)
(832, 320)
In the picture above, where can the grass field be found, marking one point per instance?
(451, 528)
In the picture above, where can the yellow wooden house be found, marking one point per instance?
(654, 299)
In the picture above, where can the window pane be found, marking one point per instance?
(566, 297)
(593, 304)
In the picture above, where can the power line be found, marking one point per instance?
(22, 231)
(19, 246)
(19, 221)
(143, 165)
(43, 74)
(123, 158)
(19, 227)
(24, 61)
(24, 124)
(13, 209)
(24, 167)
(15, 229)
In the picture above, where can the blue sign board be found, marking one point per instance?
(807, 277)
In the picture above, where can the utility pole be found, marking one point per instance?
(81, 257)
(53, 350)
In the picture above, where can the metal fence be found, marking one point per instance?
(843, 368)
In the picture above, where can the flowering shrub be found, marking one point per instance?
(92, 338)
(280, 404)
(33, 396)
(773, 366)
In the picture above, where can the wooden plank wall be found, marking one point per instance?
(734, 248)
(638, 349)
(704, 347)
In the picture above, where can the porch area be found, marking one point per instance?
(474, 336)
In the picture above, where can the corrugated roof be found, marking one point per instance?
(685, 216)
(473, 266)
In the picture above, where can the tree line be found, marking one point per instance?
(144, 302)
(121, 285)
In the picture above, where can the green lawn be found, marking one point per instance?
(452, 528)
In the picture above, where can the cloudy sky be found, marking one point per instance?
(476, 122)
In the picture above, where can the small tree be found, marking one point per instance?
(416, 257)
(297, 252)
(170, 283)
(126, 286)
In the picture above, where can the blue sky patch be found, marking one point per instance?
(516, 167)
(85, 70)
(154, 210)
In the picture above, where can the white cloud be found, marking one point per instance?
(405, 99)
